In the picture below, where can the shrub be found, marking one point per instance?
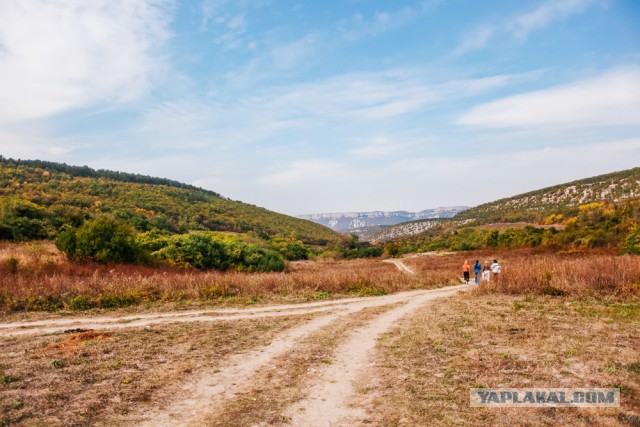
(204, 250)
(81, 302)
(102, 239)
(116, 301)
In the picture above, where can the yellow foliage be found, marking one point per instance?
(589, 206)
(145, 211)
(554, 219)
(571, 221)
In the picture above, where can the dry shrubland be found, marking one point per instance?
(593, 275)
(36, 277)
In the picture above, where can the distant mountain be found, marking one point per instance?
(351, 221)
(535, 205)
(39, 198)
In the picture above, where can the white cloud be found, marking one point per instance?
(363, 97)
(34, 145)
(523, 24)
(59, 55)
(359, 26)
(546, 13)
(374, 96)
(475, 40)
(610, 99)
(489, 176)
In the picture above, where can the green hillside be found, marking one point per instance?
(38, 199)
(534, 206)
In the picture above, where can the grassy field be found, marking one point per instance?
(427, 365)
(35, 277)
(549, 320)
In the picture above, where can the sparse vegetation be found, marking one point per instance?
(428, 364)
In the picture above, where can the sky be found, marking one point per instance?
(327, 106)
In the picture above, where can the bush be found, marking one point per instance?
(204, 250)
(102, 240)
(81, 302)
(291, 248)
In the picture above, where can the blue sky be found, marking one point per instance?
(306, 107)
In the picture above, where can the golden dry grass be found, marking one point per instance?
(49, 283)
(427, 365)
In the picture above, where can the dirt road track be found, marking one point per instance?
(326, 404)
(324, 400)
(400, 265)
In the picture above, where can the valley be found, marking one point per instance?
(121, 320)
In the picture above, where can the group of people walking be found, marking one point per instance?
(482, 272)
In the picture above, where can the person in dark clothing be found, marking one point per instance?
(477, 268)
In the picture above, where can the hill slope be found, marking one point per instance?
(38, 198)
(535, 205)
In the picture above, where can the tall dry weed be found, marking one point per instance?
(569, 275)
(44, 283)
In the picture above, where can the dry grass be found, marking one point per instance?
(428, 364)
(35, 277)
(47, 282)
(91, 377)
(569, 275)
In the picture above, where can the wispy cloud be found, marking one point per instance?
(524, 23)
(374, 96)
(263, 114)
(546, 13)
(476, 39)
(612, 98)
(359, 26)
(58, 56)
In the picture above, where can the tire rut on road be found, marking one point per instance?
(328, 401)
(207, 391)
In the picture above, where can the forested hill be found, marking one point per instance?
(87, 172)
(536, 205)
(38, 198)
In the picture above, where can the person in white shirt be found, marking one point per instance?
(495, 267)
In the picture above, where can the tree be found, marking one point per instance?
(102, 239)
(392, 250)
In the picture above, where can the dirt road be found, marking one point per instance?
(323, 399)
(326, 400)
(400, 266)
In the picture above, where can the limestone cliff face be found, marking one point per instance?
(348, 221)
